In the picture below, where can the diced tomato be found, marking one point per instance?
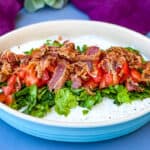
(20, 56)
(96, 64)
(97, 79)
(36, 53)
(22, 74)
(8, 89)
(51, 68)
(115, 79)
(30, 80)
(125, 72)
(96, 76)
(91, 83)
(108, 79)
(9, 99)
(2, 97)
(135, 75)
(45, 78)
(12, 80)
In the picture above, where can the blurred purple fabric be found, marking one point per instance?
(8, 12)
(133, 14)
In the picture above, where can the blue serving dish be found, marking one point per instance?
(75, 131)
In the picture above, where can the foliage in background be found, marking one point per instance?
(33, 5)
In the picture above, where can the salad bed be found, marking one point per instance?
(64, 76)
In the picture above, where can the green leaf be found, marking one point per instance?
(68, 84)
(133, 50)
(140, 95)
(32, 97)
(36, 102)
(33, 5)
(26, 97)
(29, 52)
(45, 100)
(53, 43)
(122, 94)
(82, 48)
(88, 101)
(64, 101)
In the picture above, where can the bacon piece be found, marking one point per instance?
(146, 72)
(134, 60)
(59, 77)
(92, 54)
(81, 69)
(5, 71)
(131, 85)
(9, 56)
(47, 61)
(68, 51)
(25, 60)
(76, 81)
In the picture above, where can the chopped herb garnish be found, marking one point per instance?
(82, 49)
(53, 43)
(133, 50)
(29, 52)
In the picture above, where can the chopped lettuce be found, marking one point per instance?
(64, 101)
(118, 93)
(140, 95)
(88, 101)
(34, 101)
(84, 99)
(38, 101)
(26, 98)
(45, 100)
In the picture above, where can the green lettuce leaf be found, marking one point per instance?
(34, 101)
(82, 48)
(88, 101)
(64, 101)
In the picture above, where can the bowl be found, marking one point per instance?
(66, 130)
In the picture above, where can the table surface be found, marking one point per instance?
(12, 139)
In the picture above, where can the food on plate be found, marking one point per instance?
(63, 75)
